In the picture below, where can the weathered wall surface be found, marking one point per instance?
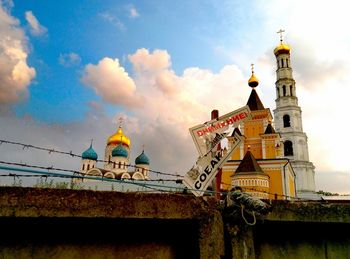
(52, 223)
(293, 230)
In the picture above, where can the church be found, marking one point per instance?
(116, 160)
(272, 162)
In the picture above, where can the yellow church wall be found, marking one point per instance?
(254, 146)
(273, 168)
(276, 183)
(227, 171)
(236, 154)
(270, 150)
(226, 180)
(291, 187)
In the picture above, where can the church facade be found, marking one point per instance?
(272, 162)
(288, 122)
(116, 162)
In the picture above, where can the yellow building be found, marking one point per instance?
(257, 165)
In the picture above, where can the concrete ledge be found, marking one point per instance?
(37, 202)
(309, 212)
(168, 215)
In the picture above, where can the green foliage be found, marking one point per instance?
(57, 185)
(327, 193)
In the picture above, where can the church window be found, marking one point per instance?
(88, 167)
(120, 164)
(83, 167)
(282, 63)
(113, 164)
(286, 121)
(291, 90)
(288, 148)
(284, 90)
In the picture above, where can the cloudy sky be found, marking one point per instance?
(70, 69)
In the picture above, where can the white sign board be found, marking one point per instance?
(202, 174)
(201, 134)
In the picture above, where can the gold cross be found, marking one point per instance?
(252, 65)
(120, 121)
(281, 36)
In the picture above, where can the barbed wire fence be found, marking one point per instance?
(18, 171)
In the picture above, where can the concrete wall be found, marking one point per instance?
(52, 223)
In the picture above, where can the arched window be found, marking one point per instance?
(284, 90)
(83, 167)
(282, 63)
(291, 90)
(286, 121)
(120, 164)
(88, 167)
(288, 148)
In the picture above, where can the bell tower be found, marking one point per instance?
(288, 122)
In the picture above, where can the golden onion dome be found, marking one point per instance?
(119, 137)
(253, 81)
(282, 49)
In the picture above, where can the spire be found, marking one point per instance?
(253, 80)
(254, 101)
(236, 130)
(281, 35)
(282, 48)
(269, 129)
(249, 165)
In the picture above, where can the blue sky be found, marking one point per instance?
(190, 32)
(70, 69)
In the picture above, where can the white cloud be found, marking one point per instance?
(112, 19)
(36, 28)
(133, 13)
(69, 59)
(112, 82)
(15, 74)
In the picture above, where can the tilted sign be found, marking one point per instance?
(201, 175)
(202, 133)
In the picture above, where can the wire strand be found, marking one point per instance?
(70, 153)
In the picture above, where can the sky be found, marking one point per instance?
(70, 69)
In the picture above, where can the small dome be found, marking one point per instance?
(253, 81)
(119, 151)
(142, 159)
(89, 154)
(119, 137)
(282, 49)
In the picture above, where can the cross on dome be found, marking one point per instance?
(281, 34)
(120, 121)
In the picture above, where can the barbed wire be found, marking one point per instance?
(39, 167)
(89, 177)
(70, 153)
(127, 181)
(258, 190)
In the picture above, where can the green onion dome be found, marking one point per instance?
(119, 151)
(89, 154)
(142, 159)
